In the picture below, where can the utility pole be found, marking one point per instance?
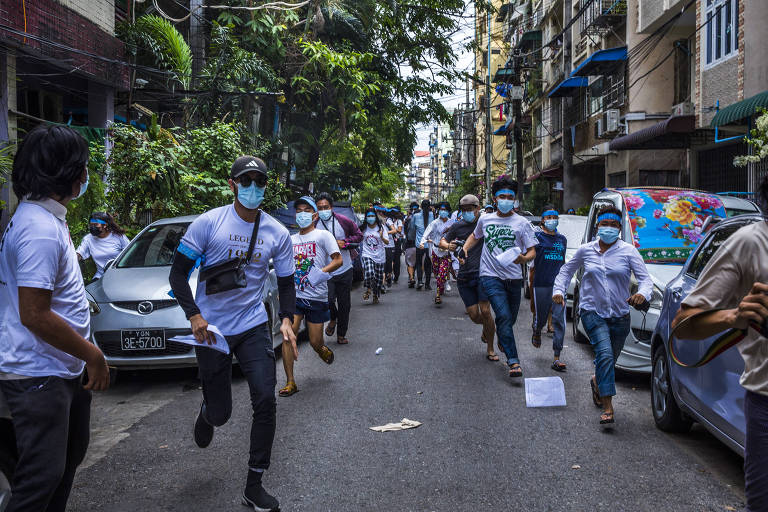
(196, 37)
(488, 148)
(566, 138)
(517, 112)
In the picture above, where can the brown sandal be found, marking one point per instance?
(330, 329)
(325, 354)
(342, 340)
(289, 389)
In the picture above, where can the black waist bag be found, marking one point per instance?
(229, 275)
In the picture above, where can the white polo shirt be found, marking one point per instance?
(37, 252)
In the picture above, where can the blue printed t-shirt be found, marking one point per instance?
(550, 256)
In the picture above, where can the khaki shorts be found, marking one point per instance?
(410, 256)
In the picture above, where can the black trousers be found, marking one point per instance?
(340, 300)
(51, 420)
(396, 255)
(389, 251)
(423, 265)
(256, 356)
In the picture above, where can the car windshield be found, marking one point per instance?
(573, 229)
(155, 247)
(733, 212)
(666, 223)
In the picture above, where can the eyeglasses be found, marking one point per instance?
(260, 180)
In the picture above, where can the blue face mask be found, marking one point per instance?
(468, 216)
(551, 224)
(370, 219)
(325, 214)
(251, 196)
(83, 186)
(303, 219)
(505, 205)
(444, 214)
(608, 234)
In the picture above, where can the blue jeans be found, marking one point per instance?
(756, 451)
(504, 296)
(542, 298)
(607, 336)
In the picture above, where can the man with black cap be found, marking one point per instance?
(234, 244)
(317, 255)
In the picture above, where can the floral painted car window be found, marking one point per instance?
(666, 224)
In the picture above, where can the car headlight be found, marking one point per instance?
(656, 297)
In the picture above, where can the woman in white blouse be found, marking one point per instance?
(604, 299)
(104, 241)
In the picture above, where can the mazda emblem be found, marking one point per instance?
(145, 307)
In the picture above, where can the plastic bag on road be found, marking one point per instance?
(405, 424)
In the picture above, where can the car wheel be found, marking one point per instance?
(666, 411)
(575, 318)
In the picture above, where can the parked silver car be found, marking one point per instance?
(133, 317)
(665, 224)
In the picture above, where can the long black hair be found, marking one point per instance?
(111, 223)
(365, 221)
(425, 212)
(48, 162)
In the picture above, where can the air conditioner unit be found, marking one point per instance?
(612, 121)
(683, 109)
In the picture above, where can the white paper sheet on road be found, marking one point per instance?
(221, 342)
(508, 257)
(544, 392)
(405, 424)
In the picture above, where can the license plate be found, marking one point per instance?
(142, 339)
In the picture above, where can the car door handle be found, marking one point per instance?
(677, 293)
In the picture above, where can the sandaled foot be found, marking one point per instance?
(325, 354)
(375, 300)
(515, 371)
(606, 418)
(595, 393)
(289, 389)
(342, 340)
(438, 299)
(492, 357)
(558, 366)
(330, 329)
(536, 340)
(367, 295)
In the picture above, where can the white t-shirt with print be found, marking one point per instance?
(36, 251)
(373, 245)
(334, 226)
(399, 225)
(102, 249)
(220, 235)
(312, 250)
(498, 234)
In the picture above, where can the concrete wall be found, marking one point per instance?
(718, 83)
(755, 35)
(100, 12)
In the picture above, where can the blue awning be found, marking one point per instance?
(602, 62)
(502, 130)
(568, 87)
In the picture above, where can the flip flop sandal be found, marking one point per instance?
(492, 357)
(606, 418)
(558, 366)
(289, 389)
(330, 329)
(595, 393)
(342, 341)
(516, 372)
(325, 354)
(536, 340)
(438, 300)
(375, 300)
(367, 295)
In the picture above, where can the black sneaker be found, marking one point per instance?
(411, 284)
(420, 285)
(203, 430)
(255, 496)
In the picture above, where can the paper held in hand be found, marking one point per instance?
(317, 276)
(221, 342)
(508, 257)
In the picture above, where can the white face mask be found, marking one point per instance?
(325, 214)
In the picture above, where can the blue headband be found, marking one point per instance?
(550, 213)
(504, 191)
(609, 216)
(97, 221)
(308, 200)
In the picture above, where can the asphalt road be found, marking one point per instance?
(479, 447)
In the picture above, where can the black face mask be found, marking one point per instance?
(95, 231)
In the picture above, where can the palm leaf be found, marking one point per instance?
(170, 50)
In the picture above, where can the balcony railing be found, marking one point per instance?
(600, 15)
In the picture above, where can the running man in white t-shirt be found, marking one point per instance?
(217, 237)
(316, 254)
